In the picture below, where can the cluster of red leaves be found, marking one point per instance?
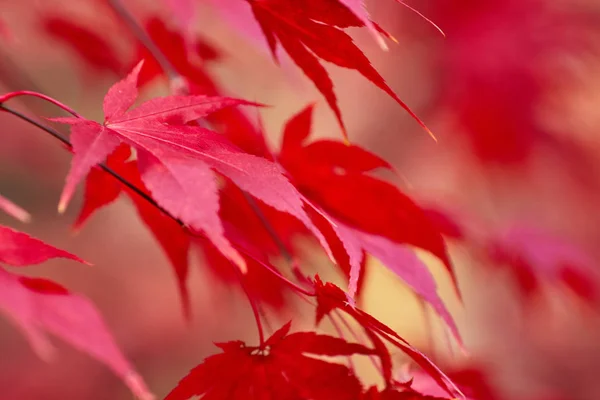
(355, 229)
(284, 366)
(309, 31)
(224, 190)
(36, 305)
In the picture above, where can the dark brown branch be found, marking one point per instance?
(67, 143)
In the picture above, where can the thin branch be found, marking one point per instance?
(67, 143)
(143, 37)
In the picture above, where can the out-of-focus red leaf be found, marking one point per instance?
(535, 256)
(14, 210)
(309, 31)
(36, 304)
(19, 249)
(284, 368)
(496, 95)
(445, 223)
(89, 45)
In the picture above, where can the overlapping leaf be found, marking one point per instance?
(366, 214)
(177, 161)
(37, 305)
(331, 297)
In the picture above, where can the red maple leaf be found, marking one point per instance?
(284, 367)
(366, 214)
(36, 304)
(312, 30)
(277, 198)
(177, 162)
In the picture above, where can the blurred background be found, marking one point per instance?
(512, 93)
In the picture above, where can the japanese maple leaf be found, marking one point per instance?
(178, 162)
(36, 304)
(311, 30)
(188, 62)
(13, 210)
(366, 214)
(284, 367)
(330, 298)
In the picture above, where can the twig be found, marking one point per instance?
(143, 37)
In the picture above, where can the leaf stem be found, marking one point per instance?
(356, 337)
(252, 301)
(340, 333)
(49, 99)
(278, 274)
(144, 39)
(268, 227)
